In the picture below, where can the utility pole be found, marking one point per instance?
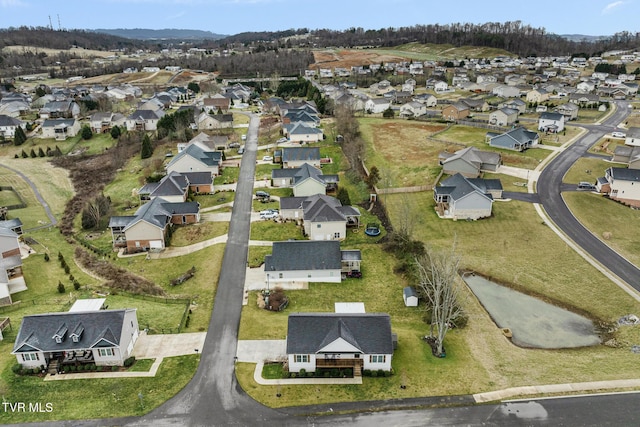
(50, 24)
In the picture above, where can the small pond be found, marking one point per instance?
(533, 323)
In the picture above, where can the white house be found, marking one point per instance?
(359, 341)
(551, 122)
(376, 105)
(51, 340)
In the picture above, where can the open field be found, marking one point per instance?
(586, 169)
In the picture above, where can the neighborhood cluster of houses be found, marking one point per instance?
(619, 182)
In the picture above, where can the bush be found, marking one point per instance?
(374, 374)
(302, 373)
(335, 373)
(327, 374)
(76, 285)
(115, 368)
(71, 368)
(46, 257)
(61, 288)
(17, 369)
(347, 372)
(128, 362)
(366, 373)
(292, 374)
(387, 373)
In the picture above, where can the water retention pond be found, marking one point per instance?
(533, 323)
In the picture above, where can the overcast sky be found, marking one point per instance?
(589, 17)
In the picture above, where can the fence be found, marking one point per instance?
(20, 205)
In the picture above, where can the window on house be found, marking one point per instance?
(336, 235)
(377, 358)
(302, 358)
(26, 357)
(106, 352)
(319, 225)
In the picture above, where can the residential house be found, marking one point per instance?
(475, 104)
(458, 197)
(586, 86)
(305, 181)
(104, 122)
(11, 276)
(503, 117)
(194, 159)
(440, 86)
(620, 185)
(216, 103)
(8, 126)
(295, 157)
(377, 105)
(309, 261)
(413, 109)
(427, 99)
(15, 108)
(629, 155)
(144, 120)
(52, 340)
(537, 96)
(515, 104)
(506, 91)
(176, 186)
(518, 139)
(60, 129)
(584, 99)
(301, 133)
(551, 122)
(323, 217)
(360, 341)
(454, 112)
(632, 136)
(470, 162)
(206, 121)
(301, 116)
(148, 228)
(568, 110)
(60, 110)
(402, 97)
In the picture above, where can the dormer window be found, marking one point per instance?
(58, 339)
(60, 333)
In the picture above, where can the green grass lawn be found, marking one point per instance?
(509, 183)
(9, 197)
(275, 231)
(229, 175)
(185, 235)
(70, 401)
(586, 169)
(610, 221)
(257, 254)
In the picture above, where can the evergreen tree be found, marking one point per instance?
(20, 137)
(41, 152)
(24, 154)
(86, 133)
(33, 154)
(388, 113)
(115, 132)
(343, 196)
(147, 148)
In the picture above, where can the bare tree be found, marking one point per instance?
(437, 272)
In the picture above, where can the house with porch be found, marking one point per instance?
(148, 228)
(144, 120)
(11, 276)
(359, 341)
(309, 261)
(619, 185)
(458, 197)
(60, 110)
(632, 137)
(295, 157)
(323, 217)
(175, 186)
(60, 129)
(301, 133)
(206, 121)
(413, 109)
(377, 105)
(518, 139)
(305, 181)
(52, 340)
(455, 111)
(103, 122)
(551, 122)
(470, 162)
(536, 96)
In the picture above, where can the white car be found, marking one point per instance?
(269, 215)
(281, 140)
(267, 159)
(618, 134)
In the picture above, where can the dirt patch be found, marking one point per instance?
(349, 58)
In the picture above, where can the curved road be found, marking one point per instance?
(549, 191)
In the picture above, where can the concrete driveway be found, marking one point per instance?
(168, 345)
(255, 351)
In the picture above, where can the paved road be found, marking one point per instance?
(549, 190)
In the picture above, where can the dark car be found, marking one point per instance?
(354, 274)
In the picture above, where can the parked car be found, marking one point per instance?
(586, 186)
(262, 194)
(234, 145)
(618, 134)
(281, 140)
(241, 150)
(244, 137)
(267, 159)
(269, 211)
(269, 215)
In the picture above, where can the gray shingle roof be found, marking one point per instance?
(209, 158)
(294, 255)
(457, 187)
(296, 154)
(308, 333)
(624, 174)
(37, 331)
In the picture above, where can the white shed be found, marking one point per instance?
(410, 297)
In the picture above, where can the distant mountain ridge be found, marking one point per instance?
(164, 34)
